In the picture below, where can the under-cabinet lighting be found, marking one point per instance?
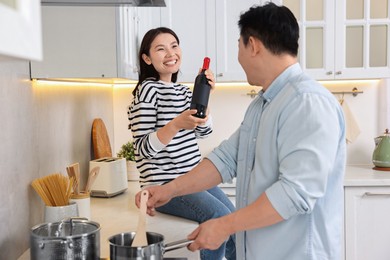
(51, 83)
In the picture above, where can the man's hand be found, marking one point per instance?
(158, 196)
(209, 235)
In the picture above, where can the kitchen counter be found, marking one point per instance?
(119, 214)
(365, 175)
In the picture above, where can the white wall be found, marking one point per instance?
(228, 105)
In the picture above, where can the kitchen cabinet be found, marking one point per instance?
(20, 28)
(83, 42)
(367, 213)
(343, 39)
(205, 28)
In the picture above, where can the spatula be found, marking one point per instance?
(140, 235)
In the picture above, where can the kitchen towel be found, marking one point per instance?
(352, 127)
(384, 104)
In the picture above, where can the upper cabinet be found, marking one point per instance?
(78, 42)
(205, 28)
(345, 39)
(227, 14)
(20, 29)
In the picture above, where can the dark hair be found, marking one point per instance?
(275, 26)
(145, 70)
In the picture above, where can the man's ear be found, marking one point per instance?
(255, 45)
(146, 59)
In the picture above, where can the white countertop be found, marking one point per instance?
(365, 175)
(119, 214)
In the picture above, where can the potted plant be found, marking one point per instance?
(127, 152)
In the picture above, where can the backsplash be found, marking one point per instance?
(229, 103)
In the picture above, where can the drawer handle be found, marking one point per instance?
(375, 194)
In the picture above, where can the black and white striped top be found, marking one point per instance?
(155, 104)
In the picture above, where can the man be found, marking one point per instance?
(288, 155)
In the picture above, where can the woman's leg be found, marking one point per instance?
(199, 207)
(230, 252)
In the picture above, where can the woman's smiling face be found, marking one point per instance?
(164, 55)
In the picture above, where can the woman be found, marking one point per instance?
(165, 132)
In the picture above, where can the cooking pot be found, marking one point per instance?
(74, 238)
(121, 249)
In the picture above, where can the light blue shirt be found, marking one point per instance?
(291, 145)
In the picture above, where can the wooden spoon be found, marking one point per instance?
(91, 178)
(140, 235)
(75, 169)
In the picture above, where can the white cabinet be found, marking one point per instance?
(227, 14)
(194, 24)
(205, 28)
(20, 29)
(367, 223)
(83, 42)
(367, 213)
(343, 39)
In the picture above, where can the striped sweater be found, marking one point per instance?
(155, 104)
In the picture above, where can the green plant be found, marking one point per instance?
(127, 151)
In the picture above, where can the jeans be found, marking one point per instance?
(201, 207)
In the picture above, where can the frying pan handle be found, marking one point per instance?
(177, 244)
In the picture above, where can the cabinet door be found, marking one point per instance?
(227, 14)
(316, 35)
(20, 29)
(133, 23)
(367, 223)
(194, 24)
(362, 39)
(345, 39)
(78, 42)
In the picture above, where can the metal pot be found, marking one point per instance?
(121, 249)
(74, 238)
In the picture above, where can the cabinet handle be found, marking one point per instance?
(329, 72)
(371, 194)
(220, 75)
(338, 72)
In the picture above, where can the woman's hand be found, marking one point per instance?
(187, 121)
(210, 76)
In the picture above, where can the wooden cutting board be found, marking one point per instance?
(100, 139)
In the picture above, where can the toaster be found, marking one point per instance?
(112, 177)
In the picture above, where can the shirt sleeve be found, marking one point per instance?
(143, 119)
(224, 157)
(308, 141)
(203, 131)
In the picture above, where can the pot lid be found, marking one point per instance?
(66, 229)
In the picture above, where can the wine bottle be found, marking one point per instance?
(201, 93)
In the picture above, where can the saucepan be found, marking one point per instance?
(121, 249)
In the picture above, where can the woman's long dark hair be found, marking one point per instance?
(145, 70)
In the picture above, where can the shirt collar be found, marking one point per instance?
(280, 81)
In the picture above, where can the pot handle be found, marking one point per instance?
(55, 241)
(177, 244)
